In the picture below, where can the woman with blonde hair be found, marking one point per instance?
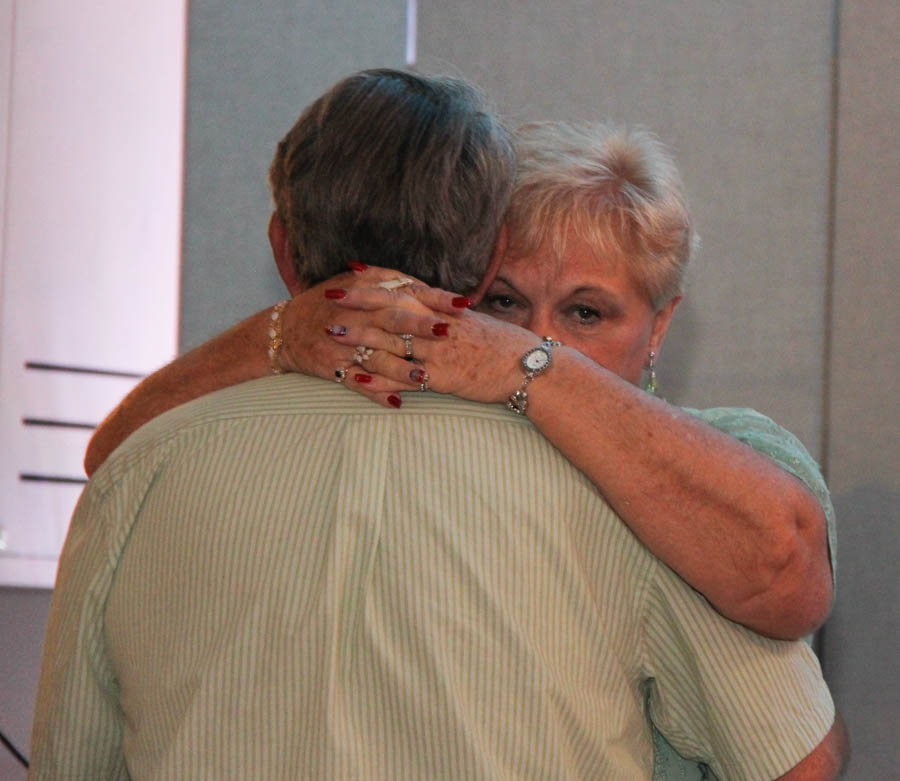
(599, 239)
(567, 331)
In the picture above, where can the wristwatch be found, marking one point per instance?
(534, 362)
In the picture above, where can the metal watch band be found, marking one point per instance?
(518, 402)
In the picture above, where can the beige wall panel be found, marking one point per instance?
(6, 64)
(252, 68)
(862, 637)
(741, 92)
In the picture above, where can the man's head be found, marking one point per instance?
(394, 169)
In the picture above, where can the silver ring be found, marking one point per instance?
(423, 386)
(362, 354)
(407, 345)
(340, 375)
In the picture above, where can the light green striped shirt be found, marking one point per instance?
(282, 580)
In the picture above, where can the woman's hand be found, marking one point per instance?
(472, 355)
(321, 311)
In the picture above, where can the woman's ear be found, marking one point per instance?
(661, 321)
(493, 267)
(284, 255)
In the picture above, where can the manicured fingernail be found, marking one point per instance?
(395, 401)
(355, 265)
(335, 292)
(418, 375)
(363, 378)
(462, 302)
(336, 330)
(440, 329)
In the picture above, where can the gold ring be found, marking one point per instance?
(396, 283)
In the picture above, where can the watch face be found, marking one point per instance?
(536, 360)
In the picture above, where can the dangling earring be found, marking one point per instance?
(651, 385)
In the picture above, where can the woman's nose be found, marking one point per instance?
(540, 323)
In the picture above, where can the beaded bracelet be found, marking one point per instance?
(275, 340)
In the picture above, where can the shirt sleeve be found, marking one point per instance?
(78, 724)
(748, 706)
(765, 436)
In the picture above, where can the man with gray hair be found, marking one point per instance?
(281, 580)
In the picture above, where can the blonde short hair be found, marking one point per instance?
(616, 189)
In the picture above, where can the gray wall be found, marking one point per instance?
(741, 92)
(792, 176)
(252, 69)
(860, 642)
(23, 618)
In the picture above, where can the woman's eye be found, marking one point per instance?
(501, 301)
(586, 314)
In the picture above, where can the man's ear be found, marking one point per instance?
(661, 321)
(493, 267)
(284, 255)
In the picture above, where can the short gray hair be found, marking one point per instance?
(617, 189)
(396, 169)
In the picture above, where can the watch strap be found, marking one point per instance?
(518, 402)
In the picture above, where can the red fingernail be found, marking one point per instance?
(364, 378)
(335, 292)
(395, 401)
(462, 302)
(440, 329)
(355, 265)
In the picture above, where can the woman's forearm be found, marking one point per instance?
(737, 527)
(237, 355)
(240, 354)
(747, 534)
(827, 761)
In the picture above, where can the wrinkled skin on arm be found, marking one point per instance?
(740, 529)
(743, 532)
(241, 354)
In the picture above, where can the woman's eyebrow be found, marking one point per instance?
(609, 298)
(505, 281)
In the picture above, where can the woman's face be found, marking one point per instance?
(588, 304)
